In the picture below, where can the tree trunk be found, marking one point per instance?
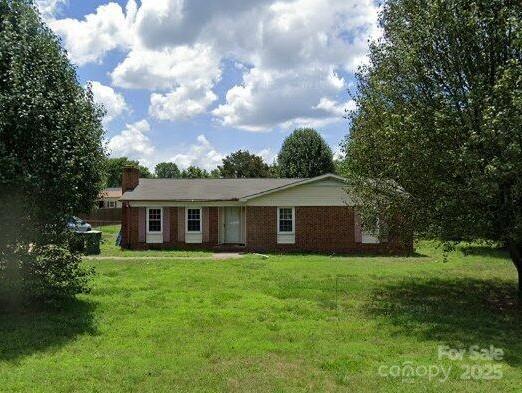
(515, 250)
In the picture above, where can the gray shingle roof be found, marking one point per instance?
(201, 189)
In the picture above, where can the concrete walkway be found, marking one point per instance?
(227, 255)
(218, 256)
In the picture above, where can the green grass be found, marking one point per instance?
(110, 249)
(282, 324)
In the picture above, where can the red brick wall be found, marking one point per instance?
(173, 211)
(213, 225)
(261, 231)
(133, 237)
(130, 178)
(317, 229)
(125, 225)
(320, 229)
(328, 229)
(130, 219)
(325, 229)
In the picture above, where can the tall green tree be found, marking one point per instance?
(215, 173)
(51, 157)
(113, 170)
(167, 170)
(305, 154)
(243, 164)
(193, 172)
(438, 125)
(273, 170)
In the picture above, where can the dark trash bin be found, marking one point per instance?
(87, 243)
(92, 242)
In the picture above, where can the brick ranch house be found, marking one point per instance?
(274, 215)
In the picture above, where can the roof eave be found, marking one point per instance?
(178, 200)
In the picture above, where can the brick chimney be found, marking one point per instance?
(130, 178)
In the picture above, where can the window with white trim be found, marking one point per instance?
(112, 204)
(154, 220)
(194, 220)
(285, 220)
(372, 236)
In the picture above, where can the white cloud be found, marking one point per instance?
(164, 23)
(184, 102)
(334, 107)
(338, 154)
(302, 46)
(308, 122)
(291, 55)
(266, 33)
(205, 155)
(48, 8)
(161, 69)
(267, 155)
(113, 102)
(90, 39)
(271, 98)
(201, 154)
(190, 72)
(132, 142)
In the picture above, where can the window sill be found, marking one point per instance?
(154, 237)
(285, 238)
(192, 237)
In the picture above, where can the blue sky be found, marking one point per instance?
(191, 81)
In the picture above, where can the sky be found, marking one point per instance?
(190, 81)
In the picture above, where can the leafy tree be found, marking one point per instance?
(51, 157)
(215, 173)
(439, 120)
(273, 170)
(243, 164)
(193, 172)
(114, 170)
(339, 167)
(144, 172)
(305, 154)
(167, 170)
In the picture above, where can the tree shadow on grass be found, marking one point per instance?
(457, 312)
(24, 332)
(485, 251)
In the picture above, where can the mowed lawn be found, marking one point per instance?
(283, 324)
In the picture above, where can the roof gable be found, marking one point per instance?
(301, 182)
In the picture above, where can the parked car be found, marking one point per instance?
(78, 225)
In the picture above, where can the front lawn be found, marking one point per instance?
(282, 324)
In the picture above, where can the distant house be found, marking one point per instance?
(109, 198)
(274, 215)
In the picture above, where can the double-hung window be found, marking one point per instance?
(194, 220)
(154, 220)
(285, 220)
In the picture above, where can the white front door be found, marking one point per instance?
(232, 225)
